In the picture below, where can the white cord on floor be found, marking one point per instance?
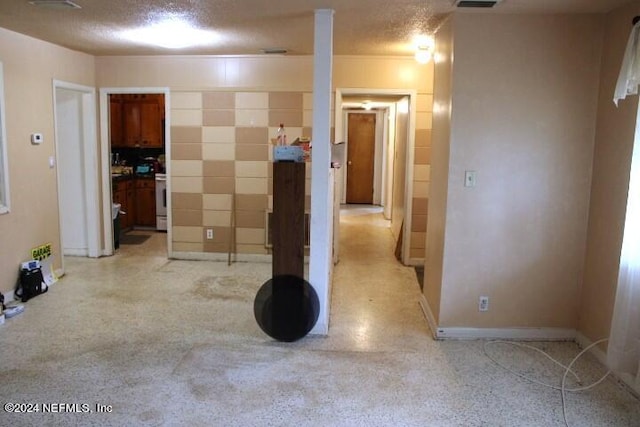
(564, 378)
(567, 370)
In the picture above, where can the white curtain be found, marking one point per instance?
(624, 342)
(629, 77)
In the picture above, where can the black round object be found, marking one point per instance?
(286, 307)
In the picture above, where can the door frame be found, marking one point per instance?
(89, 166)
(107, 229)
(408, 186)
(379, 154)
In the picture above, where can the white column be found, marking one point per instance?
(320, 263)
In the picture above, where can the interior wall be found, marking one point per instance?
(220, 147)
(30, 66)
(611, 167)
(390, 149)
(421, 175)
(524, 110)
(437, 207)
(223, 112)
(283, 73)
(378, 158)
(400, 167)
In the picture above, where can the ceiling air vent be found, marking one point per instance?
(55, 4)
(476, 3)
(274, 51)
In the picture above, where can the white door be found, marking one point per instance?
(76, 156)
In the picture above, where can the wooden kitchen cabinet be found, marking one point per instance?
(119, 197)
(142, 117)
(124, 193)
(136, 120)
(130, 198)
(145, 202)
(115, 122)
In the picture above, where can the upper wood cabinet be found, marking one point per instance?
(141, 123)
(115, 121)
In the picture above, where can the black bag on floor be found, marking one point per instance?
(31, 284)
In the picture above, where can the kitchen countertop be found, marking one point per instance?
(116, 177)
(146, 176)
(127, 177)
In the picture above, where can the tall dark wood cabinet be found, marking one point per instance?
(288, 219)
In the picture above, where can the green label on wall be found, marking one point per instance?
(41, 252)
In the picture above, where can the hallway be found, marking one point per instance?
(168, 342)
(375, 298)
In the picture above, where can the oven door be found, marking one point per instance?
(161, 195)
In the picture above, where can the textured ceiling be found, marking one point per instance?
(361, 27)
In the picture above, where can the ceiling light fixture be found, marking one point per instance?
(425, 47)
(171, 33)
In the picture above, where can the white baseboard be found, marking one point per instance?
(9, 297)
(320, 329)
(521, 334)
(216, 256)
(222, 257)
(76, 252)
(524, 334)
(596, 351)
(415, 262)
(428, 314)
(601, 356)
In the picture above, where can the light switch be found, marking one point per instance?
(469, 178)
(52, 162)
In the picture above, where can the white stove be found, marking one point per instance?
(161, 201)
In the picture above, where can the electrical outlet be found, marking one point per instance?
(209, 233)
(483, 303)
(469, 178)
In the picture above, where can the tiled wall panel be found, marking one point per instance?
(221, 145)
(421, 175)
(221, 152)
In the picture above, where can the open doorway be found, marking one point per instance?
(135, 165)
(379, 169)
(77, 159)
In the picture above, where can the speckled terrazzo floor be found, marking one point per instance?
(175, 343)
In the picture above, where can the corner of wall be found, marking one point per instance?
(439, 173)
(614, 137)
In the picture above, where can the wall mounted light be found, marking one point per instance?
(423, 55)
(425, 47)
